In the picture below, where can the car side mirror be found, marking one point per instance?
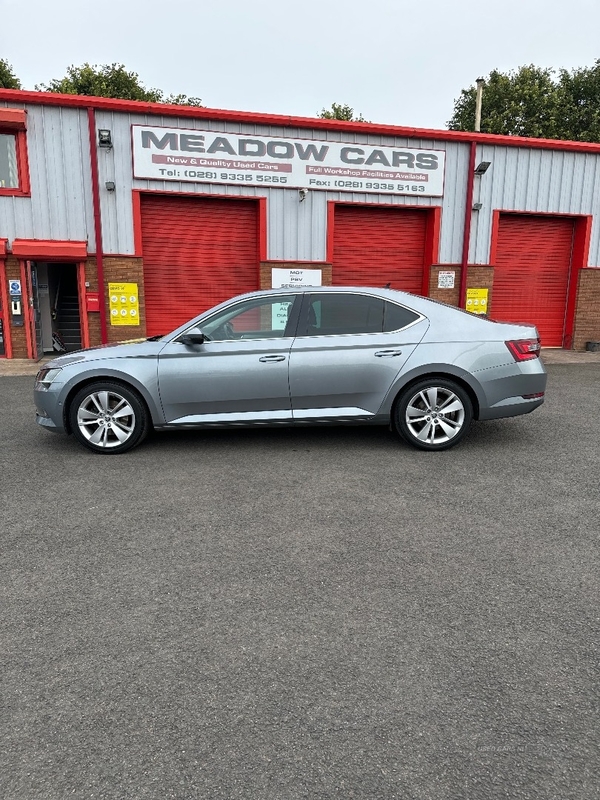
(191, 339)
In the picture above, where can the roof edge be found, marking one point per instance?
(259, 118)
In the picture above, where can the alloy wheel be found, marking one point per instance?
(434, 415)
(106, 419)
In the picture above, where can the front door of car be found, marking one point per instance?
(349, 349)
(240, 374)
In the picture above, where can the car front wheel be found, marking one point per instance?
(433, 414)
(108, 418)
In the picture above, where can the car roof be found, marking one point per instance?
(416, 302)
(391, 294)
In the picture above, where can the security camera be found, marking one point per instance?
(303, 193)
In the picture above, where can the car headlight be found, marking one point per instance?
(45, 377)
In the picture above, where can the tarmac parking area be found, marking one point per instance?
(306, 613)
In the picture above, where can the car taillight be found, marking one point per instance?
(524, 349)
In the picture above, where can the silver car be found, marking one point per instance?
(306, 356)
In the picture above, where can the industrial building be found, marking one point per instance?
(123, 219)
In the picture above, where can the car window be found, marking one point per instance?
(331, 314)
(396, 317)
(251, 319)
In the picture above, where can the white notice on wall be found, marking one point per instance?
(291, 278)
(446, 280)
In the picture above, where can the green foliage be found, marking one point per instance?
(580, 104)
(8, 79)
(111, 80)
(343, 112)
(534, 101)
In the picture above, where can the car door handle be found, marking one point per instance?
(388, 353)
(268, 359)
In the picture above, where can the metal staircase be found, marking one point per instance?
(67, 320)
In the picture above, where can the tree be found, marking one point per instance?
(111, 80)
(580, 106)
(534, 101)
(521, 103)
(8, 79)
(343, 112)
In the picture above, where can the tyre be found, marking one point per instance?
(433, 414)
(108, 417)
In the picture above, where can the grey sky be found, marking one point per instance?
(394, 61)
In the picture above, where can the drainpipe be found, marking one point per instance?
(467, 227)
(97, 222)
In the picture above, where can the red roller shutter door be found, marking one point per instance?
(197, 253)
(531, 275)
(376, 246)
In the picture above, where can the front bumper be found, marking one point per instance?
(49, 409)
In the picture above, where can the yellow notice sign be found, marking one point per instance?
(477, 301)
(124, 303)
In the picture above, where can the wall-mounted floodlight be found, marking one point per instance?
(110, 186)
(482, 167)
(104, 138)
(477, 206)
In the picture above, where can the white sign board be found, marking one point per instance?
(200, 156)
(291, 278)
(446, 280)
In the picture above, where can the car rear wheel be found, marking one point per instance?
(434, 414)
(108, 418)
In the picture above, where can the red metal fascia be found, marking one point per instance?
(432, 245)
(330, 231)
(494, 237)
(24, 188)
(97, 221)
(81, 294)
(14, 118)
(27, 302)
(262, 232)
(582, 233)
(4, 302)
(137, 222)
(464, 264)
(49, 249)
(252, 118)
(23, 164)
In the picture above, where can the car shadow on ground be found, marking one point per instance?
(488, 435)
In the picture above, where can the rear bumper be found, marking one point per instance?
(510, 407)
(510, 390)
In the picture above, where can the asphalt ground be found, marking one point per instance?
(310, 613)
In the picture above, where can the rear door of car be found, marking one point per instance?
(345, 357)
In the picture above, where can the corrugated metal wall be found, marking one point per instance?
(60, 206)
(546, 181)
(296, 231)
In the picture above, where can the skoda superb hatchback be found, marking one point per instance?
(317, 355)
